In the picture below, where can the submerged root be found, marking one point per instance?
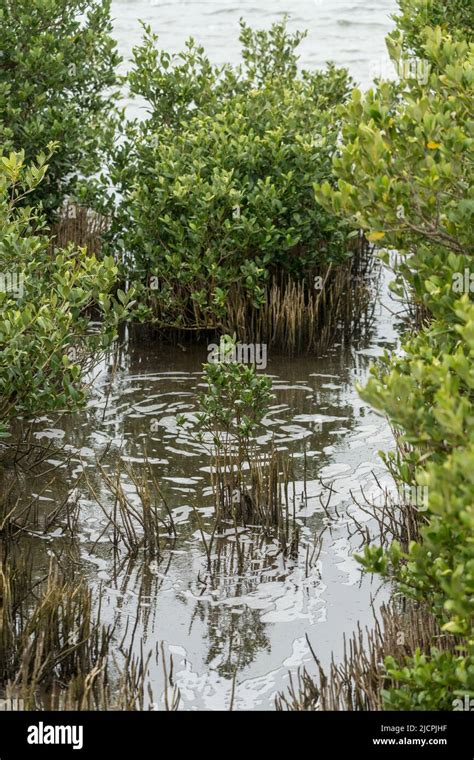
(254, 492)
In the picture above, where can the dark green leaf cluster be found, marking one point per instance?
(58, 64)
(217, 182)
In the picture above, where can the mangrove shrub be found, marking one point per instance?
(57, 65)
(47, 338)
(217, 181)
(453, 16)
(405, 174)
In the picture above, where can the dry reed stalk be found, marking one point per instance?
(81, 226)
(20, 515)
(359, 680)
(296, 317)
(56, 654)
(130, 526)
(48, 634)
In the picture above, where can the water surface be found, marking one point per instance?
(349, 32)
(249, 627)
(253, 624)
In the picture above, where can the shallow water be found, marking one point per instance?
(256, 622)
(251, 626)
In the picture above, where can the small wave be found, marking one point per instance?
(366, 24)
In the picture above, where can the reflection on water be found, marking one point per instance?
(247, 615)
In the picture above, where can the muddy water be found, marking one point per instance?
(244, 628)
(238, 631)
(250, 625)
